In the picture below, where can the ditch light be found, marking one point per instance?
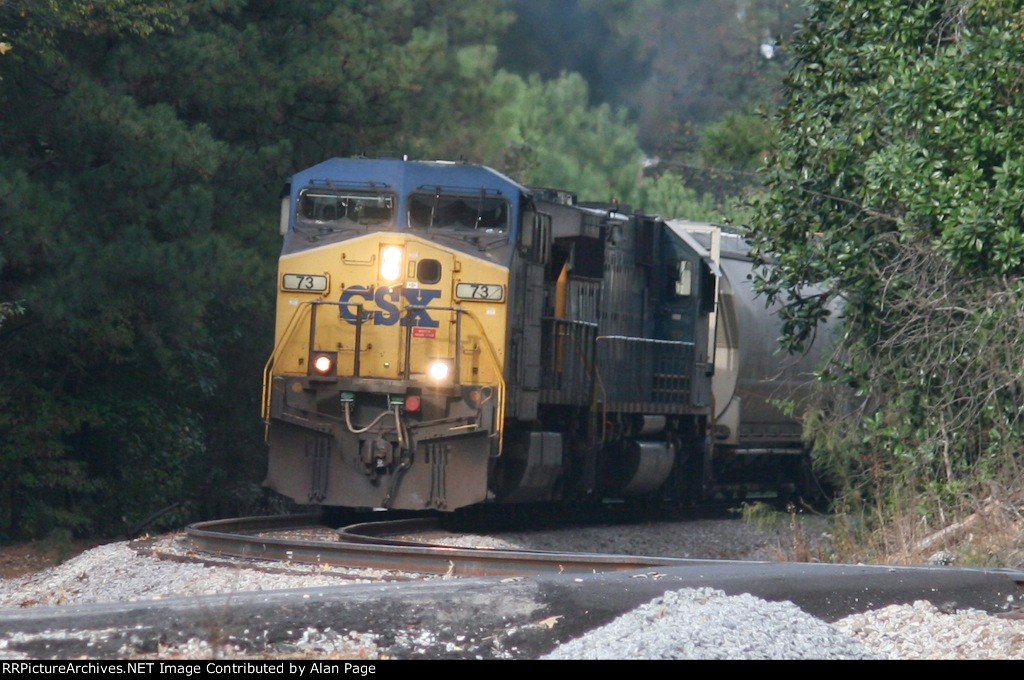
(441, 370)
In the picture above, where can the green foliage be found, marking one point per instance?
(688, 74)
(545, 133)
(33, 29)
(895, 195)
(761, 516)
(142, 149)
(704, 60)
(668, 195)
(899, 119)
(736, 141)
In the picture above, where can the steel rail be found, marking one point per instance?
(364, 546)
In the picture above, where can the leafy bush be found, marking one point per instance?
(896, 193)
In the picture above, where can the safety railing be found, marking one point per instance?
(639, 373)
(567, 351)
(411, 310)
(497, 366)
(311, 307)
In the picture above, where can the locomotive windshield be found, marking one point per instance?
(480, 212)
(324, 208)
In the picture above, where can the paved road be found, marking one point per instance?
(480, 611)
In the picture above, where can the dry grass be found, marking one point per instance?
(985, 532)
(19, 559)
(798, 535)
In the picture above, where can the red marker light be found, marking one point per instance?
(412, 403)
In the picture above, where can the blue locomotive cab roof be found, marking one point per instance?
(394, 194)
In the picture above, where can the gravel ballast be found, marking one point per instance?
(703, 623)
(681, 624)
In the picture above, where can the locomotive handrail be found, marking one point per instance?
(572, 322)
(278, 348)
(358, 350)
(499, 372)
(579, 336)
(292, 326)
(652, 341)
(498, 369)
(290, 330)
(458, 337)
(649, 376)
(585, 349)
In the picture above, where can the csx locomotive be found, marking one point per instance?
(447, 337)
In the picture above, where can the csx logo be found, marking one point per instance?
(386, 299)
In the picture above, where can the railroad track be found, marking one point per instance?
(371, 545)
(826, 590)
(529, 616)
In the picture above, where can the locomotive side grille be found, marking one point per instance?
(644, 375)
(567, 349)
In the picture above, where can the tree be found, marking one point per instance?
(895, 194)
(142, 149)
(551, 37)
(674, 66)
(704, 58)
(545, 133)
(103, 205)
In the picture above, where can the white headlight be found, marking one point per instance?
(439, 370)
(391, 263)
(323, 364)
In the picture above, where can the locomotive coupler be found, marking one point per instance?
(376, 455)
